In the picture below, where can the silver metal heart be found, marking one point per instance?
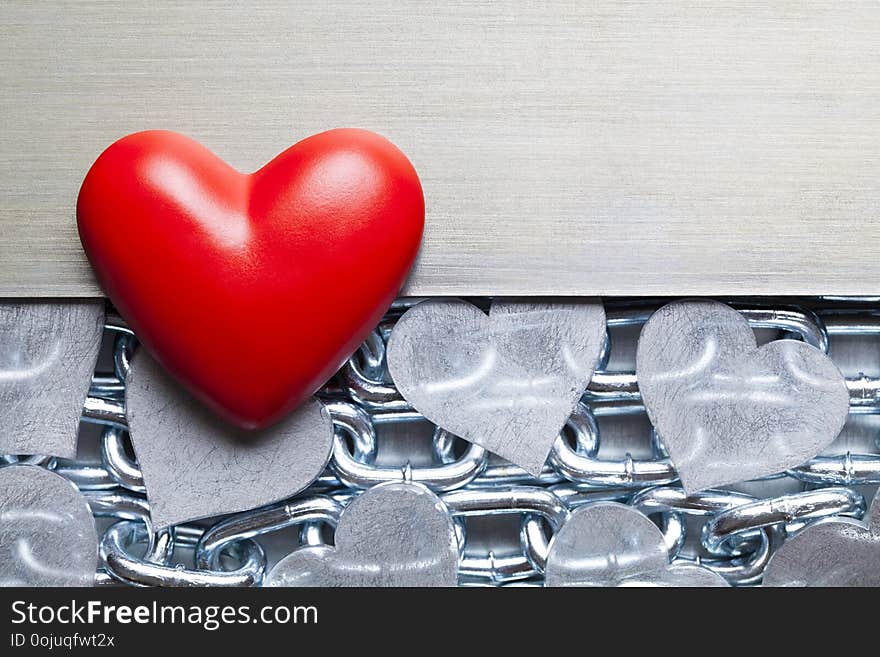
(47, 532)
(196, 465)
(507, 382)
(48, 353)
(830, 552)
(726, 410)
(611, 544)
(394, 534)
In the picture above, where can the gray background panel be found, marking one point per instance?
(565, 148)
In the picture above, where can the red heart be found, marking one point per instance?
(252, 289)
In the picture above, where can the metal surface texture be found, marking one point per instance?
(507, 382)
(405, 502)
(832, 552)
(195, 465)
(727, 410)
(395, 534)
(47, 533)
(47, 355)
(595, 148)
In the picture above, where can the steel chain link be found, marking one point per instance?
(738, 531)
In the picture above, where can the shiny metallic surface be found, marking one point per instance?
(803, 323)
(601, 455)
(740, 565)
(495, 569)
(446, 476)
(357, 469)
(580, 463)
(831, 552)
(99, 410)
(611, 544)
(532, 503)
(358, 426)
(47, 355)
(311, 510)
(371, 393)
(506, 382)
(627, 472)
(119, 505)
(47, 533)
(119, 466)
(784, 510)
(727, 410)
(395, 534)
(840, 470)
(122, 565)
(196, 466)
(85, 476)
(864, 393)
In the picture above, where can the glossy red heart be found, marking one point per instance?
(252, 289)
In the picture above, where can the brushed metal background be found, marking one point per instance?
(565, 148)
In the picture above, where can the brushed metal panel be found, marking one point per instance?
(565, 148)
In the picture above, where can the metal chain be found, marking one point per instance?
(737, 531)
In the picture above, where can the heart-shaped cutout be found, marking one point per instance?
(195, 465)
(611, 544)
(507, 382)
(47, 532)
(830, 552)
(48, 353)
(726, 410)
(226, 277)
(394, 534)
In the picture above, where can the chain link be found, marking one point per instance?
(729, 531)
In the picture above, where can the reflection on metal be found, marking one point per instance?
(732, 534)
(831, 552)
